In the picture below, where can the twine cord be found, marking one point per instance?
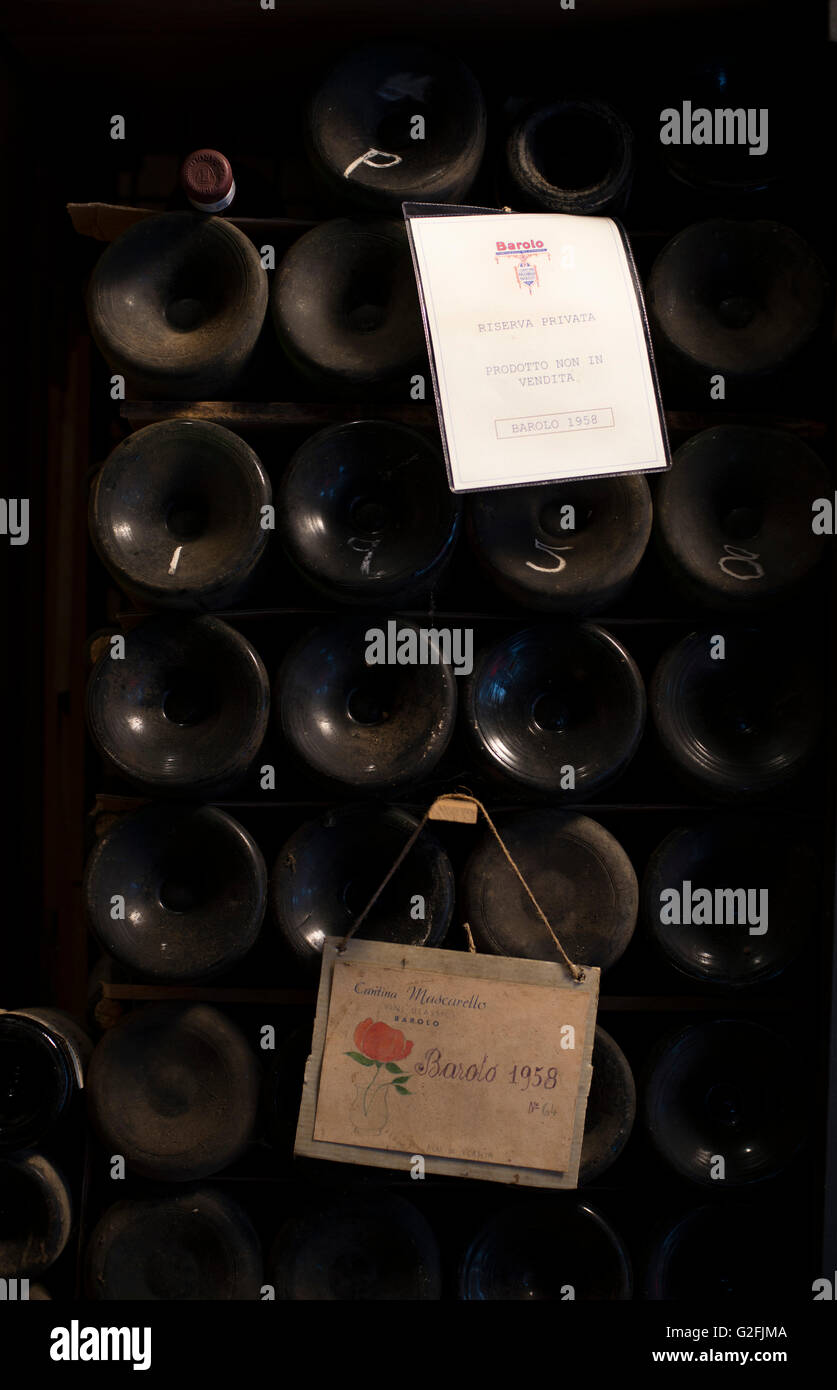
(576, 971)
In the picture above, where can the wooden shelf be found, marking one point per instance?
(270, 415)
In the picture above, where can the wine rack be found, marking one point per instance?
(643, 998)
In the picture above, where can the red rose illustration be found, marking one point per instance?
(380, 1043)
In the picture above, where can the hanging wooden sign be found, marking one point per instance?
(481, 1065)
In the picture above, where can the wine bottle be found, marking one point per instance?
(736, 298)
(737, 714)
(377, 726)
(580, 876)
(328, 870)
(728, 87)
(183, 710)
(729, 902)
(189, 885)
(36, 1215)
(727, 1253)
(395, 122)
(199, 1244)
(722, 1101)
(568, 547)
(556, 709)
(542, 1250)
(733, 516)
(206, 178)
(365, 513)
(358, 1248)
(43, 1059)
(345, 307)
(174, 1089)
(176, 304)
(176, 515)
(574, 156)
(611, 1109)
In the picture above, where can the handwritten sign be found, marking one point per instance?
(481, 1064)
(539, 347)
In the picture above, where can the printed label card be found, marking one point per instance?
(539, 347)
(480, 1064)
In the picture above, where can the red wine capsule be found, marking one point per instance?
(197, 1245)
(743, 725)
(376, 726)
(397, 121)
(345, 306)
(36, 1215)
(328, 870)
(556, 709)
(722, 1103)
(184, 710)
(567, 547)
(174, 1089)
(579, 874)
(736, 298)
(573, 156)
(543, 1250)
(206, 178)
(176, 304)
(190, 888)
(730, 902)
(611, 1109)
(733, 516)
(365, 512)
(176, 513)
(360, 1248)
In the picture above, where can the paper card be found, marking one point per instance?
(539, 347)
(481, 1064)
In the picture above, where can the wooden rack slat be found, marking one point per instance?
(252, 415)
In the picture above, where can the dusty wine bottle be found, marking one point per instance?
(176, 893)
(575, 156)
(722, 1101)
(176, 514)
(735, 298)
(611, 1109)
(181, 708)
(206, 178)
(174, 1089)
(43, 1059)
(567, 547)
(730, 902)
(329, 869)
(733, 516)
(556, 709)
(580, 876)
(730, 135)
(345, 307)
(176, 305)
(365, 513)
(199, 1244)
(362, 724)
(541, 1250)
(395, 122)
(724, 1253)
(36, 1215)
(737, 714)
(360, 1248)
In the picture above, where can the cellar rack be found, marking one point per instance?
(77, 425)
(638, 1188)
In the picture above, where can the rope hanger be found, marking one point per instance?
(444, 808)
